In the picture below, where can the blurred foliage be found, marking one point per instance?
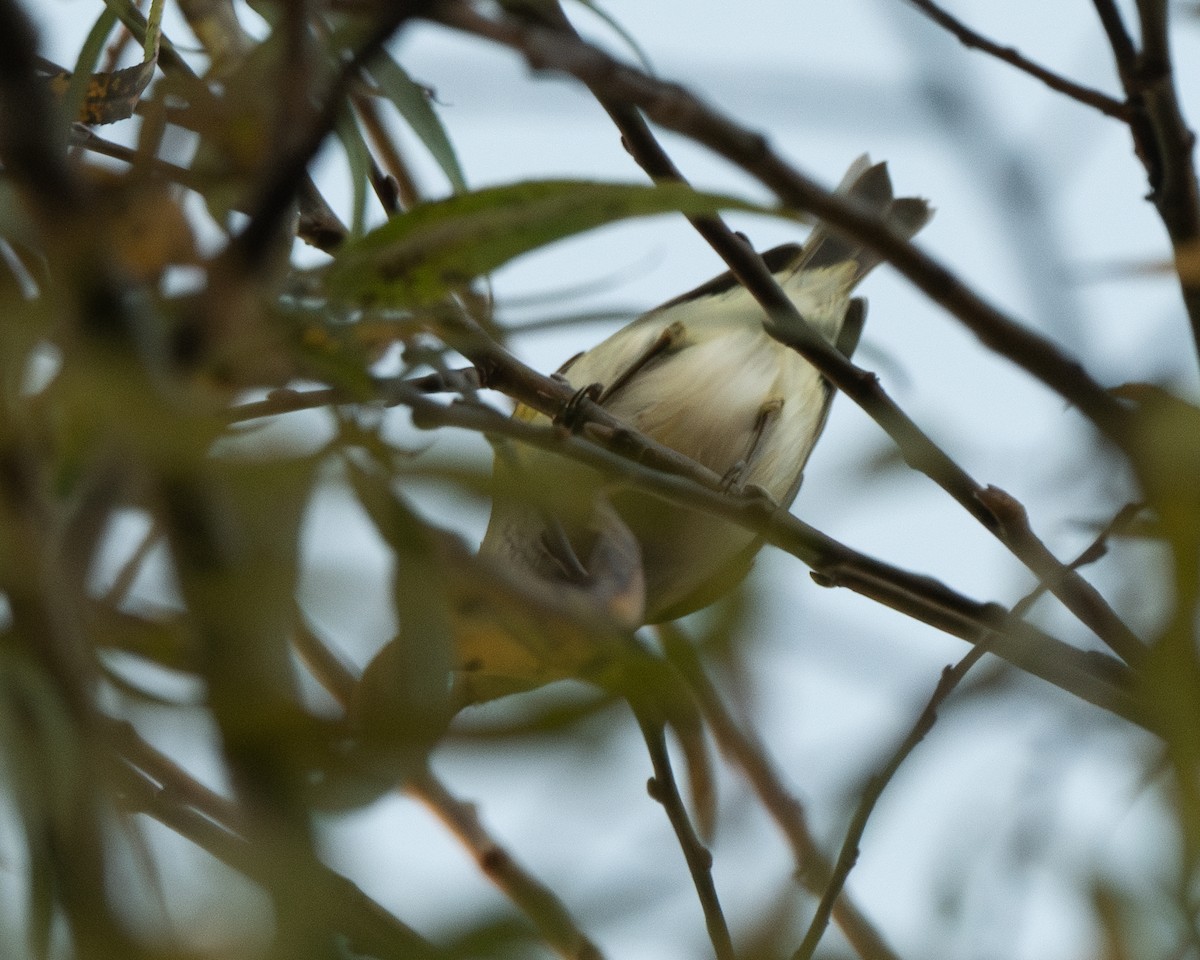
(151, 294)
(136, 320)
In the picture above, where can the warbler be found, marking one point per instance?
(701, 375)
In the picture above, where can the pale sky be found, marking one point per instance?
(982, 845)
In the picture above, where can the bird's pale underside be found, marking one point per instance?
(701, 375)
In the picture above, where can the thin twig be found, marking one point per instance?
(671, 106)
(1093, 677)
(1088, 96)
(152, 784)
(741, 747)
(1118, 37)
(848, 855)
(285, 400)
(1175, 191)
(951, 677)
(537, 901)
(176, 783)
(389, 151)
(665, 790)
(123, 581)
(1162, 138)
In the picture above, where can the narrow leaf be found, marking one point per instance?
(358, 159)
(412, 100)
(413, 259)
(617, 28)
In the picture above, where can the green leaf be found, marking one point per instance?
(106, 97)
(616, 27)
(147, 32)
(415, 258)
(401, 705)
(153, 38)
(44, 774)
(412, 100)
(358, 159)
(89, 55)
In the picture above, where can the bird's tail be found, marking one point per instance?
(869, 185)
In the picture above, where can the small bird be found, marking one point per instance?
(698, 374)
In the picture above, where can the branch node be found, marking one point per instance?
(822, 579)
(493, 860)
(1007, 510)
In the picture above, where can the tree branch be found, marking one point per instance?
(1172, 172)
(153, 784)
(537, 901)
(665, 790)
(970, 38)
(848, 855)
(1162, 139)
(951, 677)
(743, 749)
(1118, 36)
(1094, 677)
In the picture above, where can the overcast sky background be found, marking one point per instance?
(984, 844)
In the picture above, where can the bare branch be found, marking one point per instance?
(153, 784)
(970, 38)
(951, 677)
(741, 747)
(1162, 138)
(1168, 156)
(1152, 17)
(1118, 36)
(124, 580)
(537, 901)
(665, 790)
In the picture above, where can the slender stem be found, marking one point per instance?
(537, 901)
(848, 855)
(123, 582)
(1093, 677)
(1118, 36)
(548, 913)
(389, 151)
(741, 747)
(970, 38)
(665, 790)
(1162, 138)
(153, 785)
(950, 679)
